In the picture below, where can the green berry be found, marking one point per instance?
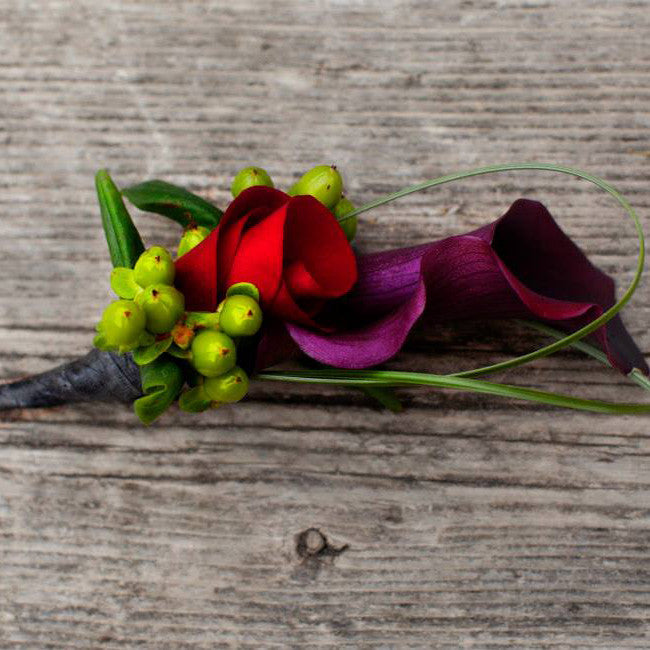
(323, 182)
(349, 226)
(240, 316)
(213, 353)
(154, 266)
(163, 306)
(192, 237)
(122, 324)
(249, 177)
(228, 388)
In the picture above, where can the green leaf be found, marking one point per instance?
(179, 353)
(194, 400)
(174, 202)
(244, 289)
(145, 339)
(124, 242)
(144, 355)
(385, 396)
(208, 319)
(123, 284)
(162, 381)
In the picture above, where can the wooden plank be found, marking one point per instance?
(305, 517)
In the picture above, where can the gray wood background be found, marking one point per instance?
(307, 517)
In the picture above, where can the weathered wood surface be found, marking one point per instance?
(466, 522)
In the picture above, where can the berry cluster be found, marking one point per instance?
(213, 348)
(150, 320)
(149, 307)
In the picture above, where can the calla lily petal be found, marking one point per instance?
(520, 266)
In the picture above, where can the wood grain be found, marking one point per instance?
(305, 517)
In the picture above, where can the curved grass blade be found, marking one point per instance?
(636, 375)
(174, 202)
(162, 381)
(579, 334)
(363, 378)
(124, 242)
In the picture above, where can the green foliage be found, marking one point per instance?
(195, 400)
(162, 381)
(124, 242)
(173, 202)
(123, 283)
(149, 353)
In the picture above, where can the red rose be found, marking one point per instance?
(291, 248)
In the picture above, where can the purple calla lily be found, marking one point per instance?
(520, 266)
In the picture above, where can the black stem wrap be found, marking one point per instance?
(98, 377)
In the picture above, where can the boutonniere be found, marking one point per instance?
(275, 278)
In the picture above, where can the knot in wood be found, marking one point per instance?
(310, 542)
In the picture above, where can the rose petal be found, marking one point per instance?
(521, 266)
(251, 241)
(315, 239)
(196, 274)
(197, 271)
(259, 256)
(319, 262)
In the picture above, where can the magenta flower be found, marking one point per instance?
(520, 266)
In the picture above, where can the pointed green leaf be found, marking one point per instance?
(244, 289)
(194, 400)
(123, 284)
(162, 381)
(144, 355)
(124, 242)
(174, 202)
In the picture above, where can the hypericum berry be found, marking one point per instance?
(163, 306)
(213, 353)
(192, 237)
(240, 316)
(349, 226)
(122, 324)
(249, 177)
(229, 387)
(323, 182)
(154, 266)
